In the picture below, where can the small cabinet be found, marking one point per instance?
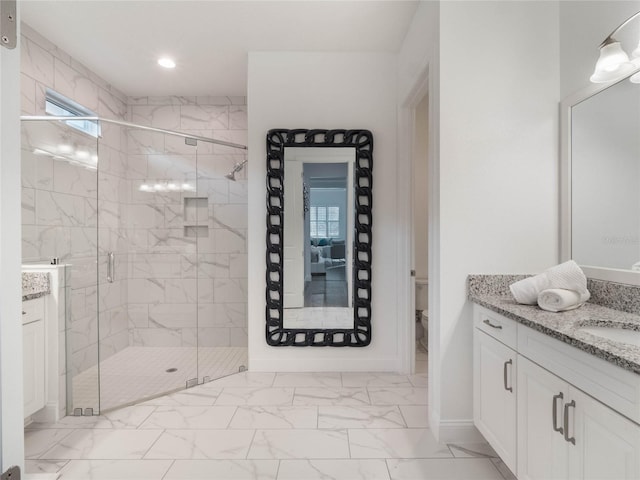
(33, 355)
(494, 393)
(565, 434)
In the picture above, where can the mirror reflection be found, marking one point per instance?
(317, 245)
(605, 168)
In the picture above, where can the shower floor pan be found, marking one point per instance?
(138, 373)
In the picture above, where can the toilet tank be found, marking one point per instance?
(422, 293)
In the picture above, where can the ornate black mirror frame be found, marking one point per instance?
(360, 334)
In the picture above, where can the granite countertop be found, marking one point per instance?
(565, 326)
(35, 285)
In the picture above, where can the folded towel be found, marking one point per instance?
(567, 275)
(560, 299)
(526, 291)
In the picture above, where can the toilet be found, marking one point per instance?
(422, 310)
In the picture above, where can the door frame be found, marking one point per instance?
(11, 395)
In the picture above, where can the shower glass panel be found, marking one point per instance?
(59, 222)
(148, 208)
(149, 232)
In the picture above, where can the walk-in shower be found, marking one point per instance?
(149, 235)
(236, 168)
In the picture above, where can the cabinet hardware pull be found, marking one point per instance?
(110, 266)
(571, 440)
(557, 397)
(508, 362)
(488, 322)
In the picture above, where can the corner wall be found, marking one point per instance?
(326, 90)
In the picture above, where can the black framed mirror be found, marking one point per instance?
(308, 237)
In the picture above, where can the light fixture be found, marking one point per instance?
(166, 62)
(613, 63)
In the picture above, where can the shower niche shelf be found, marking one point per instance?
(196, 217)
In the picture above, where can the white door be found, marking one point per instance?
(494, 409)
(293, 241)
(349, 233)
(607, 445)
(542, 450)
(11, 406)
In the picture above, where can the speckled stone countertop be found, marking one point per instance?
(34, 285)
(492, 292)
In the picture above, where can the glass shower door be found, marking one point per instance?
(148, 265)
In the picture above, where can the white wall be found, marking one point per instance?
(495, 208)
(326, 90)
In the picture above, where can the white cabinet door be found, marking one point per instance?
(607, 445)
(33, 364)
(542, 450)
(494, 409)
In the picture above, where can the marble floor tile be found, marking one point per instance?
(299, 444)
(70, 422)
(43, 466)
(191, 397)
(471, 450)
(103, 444)
(331, 396)
(115, 470)
(418, 380)
(357, 379)
(274, 417)
(244, 379)
(395, 443)
(37, 442)
(201, 444)
(348, 469)
(360, 417)
(127, 417)
(314, 379)
(443, 469)
(397, 396)
(255, 396)
(415, 416)
(223, 469)
(191, 417)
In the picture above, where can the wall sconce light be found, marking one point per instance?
(614, 63)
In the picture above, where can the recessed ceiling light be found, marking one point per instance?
(166, 62)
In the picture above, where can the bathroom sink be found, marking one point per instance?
(613, 333)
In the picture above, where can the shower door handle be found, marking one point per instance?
(110, 266)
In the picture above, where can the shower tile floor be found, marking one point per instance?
(138, 373)
(267, 426)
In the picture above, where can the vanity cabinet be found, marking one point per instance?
(33, 355)
(559, 431)
(565, 434)
(494, 389)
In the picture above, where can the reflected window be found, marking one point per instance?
(324, 221)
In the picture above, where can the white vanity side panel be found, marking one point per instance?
(611, 385)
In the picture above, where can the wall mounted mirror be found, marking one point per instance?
(319, 237)
(600, 175)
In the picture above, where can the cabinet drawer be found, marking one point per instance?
(495, 325)
(32, 310)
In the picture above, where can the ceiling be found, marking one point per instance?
(120, 40)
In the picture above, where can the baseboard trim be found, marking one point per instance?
(457, 431)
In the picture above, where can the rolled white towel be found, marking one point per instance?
(560, 299)
(569, 276)
(526, 291)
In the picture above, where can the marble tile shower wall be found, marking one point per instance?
(187, 251)
(59, 207)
